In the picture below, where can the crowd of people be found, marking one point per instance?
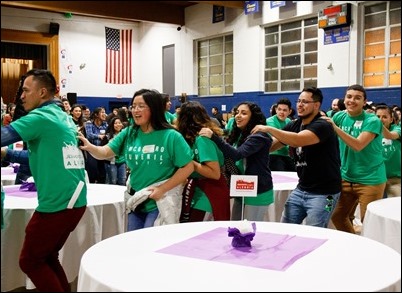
(174, 164)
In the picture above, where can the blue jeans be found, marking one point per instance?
(138, 220)
(115, 173)
(315, 208)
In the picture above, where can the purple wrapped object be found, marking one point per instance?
(241, 239)
(16, 167)
(28, 186)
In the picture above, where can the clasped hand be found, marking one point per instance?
(206, 132)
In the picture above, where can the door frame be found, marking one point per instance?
(37, 38)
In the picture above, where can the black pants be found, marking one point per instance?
(96, 169)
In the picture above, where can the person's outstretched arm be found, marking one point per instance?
(15, 156)
(98, 152)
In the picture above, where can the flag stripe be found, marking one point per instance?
(118, 56)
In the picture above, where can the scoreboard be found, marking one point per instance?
(335, 16)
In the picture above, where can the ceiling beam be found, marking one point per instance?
(148, 11)
(231, 4)
(137, 11)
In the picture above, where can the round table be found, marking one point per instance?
(8, 176)
(199, 257)
(284, 183)
(104, 217)
(382, 222)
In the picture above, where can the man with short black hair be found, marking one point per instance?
(57, 166)
(314, 146)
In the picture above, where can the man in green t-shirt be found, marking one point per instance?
(58, 169)
(391, 151)
(280, 160)
(362, 163)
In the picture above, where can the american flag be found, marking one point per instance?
(118, 56)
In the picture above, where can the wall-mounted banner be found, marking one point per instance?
(63, 53)
(218, 13)
(63, 83)
(277, 4)
(251, 7)
(337, 35)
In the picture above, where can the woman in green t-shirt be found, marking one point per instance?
(207, 187)
(155, 152)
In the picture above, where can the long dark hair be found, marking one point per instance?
(95, 113)
(238, 135)
(110, 127)
(154, 101)
(81, 118)
(193, 116)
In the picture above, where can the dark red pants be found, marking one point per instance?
(45, 236)
(218, 194)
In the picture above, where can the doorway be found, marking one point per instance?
(35, 50)
(168, 72)
(16, 60)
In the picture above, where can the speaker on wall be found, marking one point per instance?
(72, 98)
(54, 28)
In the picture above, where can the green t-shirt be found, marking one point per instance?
(56, 162)
(275, 122)
(120, 158)
(229, 125)
(330, 113)
(151, 157)
(205, 150)
(169, 117)
(365, 166)
(392, 153)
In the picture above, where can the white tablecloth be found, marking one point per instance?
(284, 183)
(382, 222)
(7, 176)
(129, 262)
(104, 217)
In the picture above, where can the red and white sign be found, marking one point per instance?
(243, 185)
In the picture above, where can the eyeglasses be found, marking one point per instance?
(304, 102)
(140, 107)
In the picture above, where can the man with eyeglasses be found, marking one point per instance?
(314, 146)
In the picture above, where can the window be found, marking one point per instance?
(382, 45)
(215, 66)
(291, 56)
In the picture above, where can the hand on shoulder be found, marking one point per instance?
(206, 132)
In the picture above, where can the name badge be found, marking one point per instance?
(73, 157)
(358, 124)
(148, 149)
